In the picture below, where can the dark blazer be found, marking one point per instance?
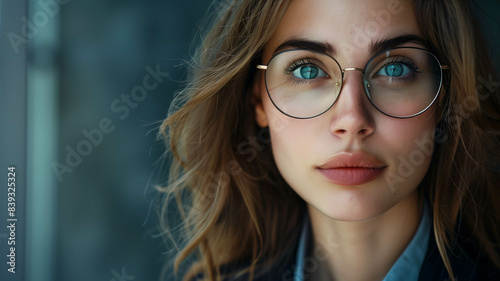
(467, 265)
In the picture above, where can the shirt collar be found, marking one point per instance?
(408, 265)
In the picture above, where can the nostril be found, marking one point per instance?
(361, 132)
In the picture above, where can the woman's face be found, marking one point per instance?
(351, 163)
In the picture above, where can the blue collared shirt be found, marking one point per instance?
(408, 265)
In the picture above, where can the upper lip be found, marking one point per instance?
(358, 159)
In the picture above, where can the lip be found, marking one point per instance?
(351, 168)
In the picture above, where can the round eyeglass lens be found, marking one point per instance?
(303, 83)
(403, 82)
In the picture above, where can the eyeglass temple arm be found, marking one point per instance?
(261, 66)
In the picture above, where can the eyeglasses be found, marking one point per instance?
(401, 82)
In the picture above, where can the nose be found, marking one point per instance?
(352, 117)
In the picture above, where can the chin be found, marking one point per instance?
(355, 203)
(352, 213)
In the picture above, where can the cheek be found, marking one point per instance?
(407, 146)
(290, 139)
(403, 135)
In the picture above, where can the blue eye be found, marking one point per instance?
(308, 72)
(395, 70)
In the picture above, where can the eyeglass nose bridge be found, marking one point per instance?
(353, 69)
(349, 69)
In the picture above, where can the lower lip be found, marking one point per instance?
(351, 176)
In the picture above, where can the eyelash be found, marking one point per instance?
(405, 61)
(298, 63)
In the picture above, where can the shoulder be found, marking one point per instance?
(280, 270)
(467, 264)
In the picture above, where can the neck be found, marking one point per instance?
(366, 250)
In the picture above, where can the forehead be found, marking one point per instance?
(349, 26)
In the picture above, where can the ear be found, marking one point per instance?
(260, 114)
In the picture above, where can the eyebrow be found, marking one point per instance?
(327, 48)
(299, 43)
(389, 43)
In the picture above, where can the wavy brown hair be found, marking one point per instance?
(232, 198)
(463, 181)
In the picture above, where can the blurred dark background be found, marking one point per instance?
(106, 217)
(106, 220)
(98, 77)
